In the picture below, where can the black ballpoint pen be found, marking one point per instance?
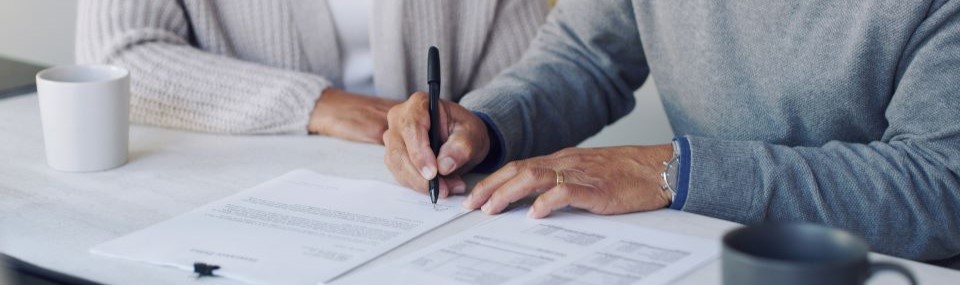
(433, 82)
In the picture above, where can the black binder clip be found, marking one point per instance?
(203, 269)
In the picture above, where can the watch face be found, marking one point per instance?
(672, 169)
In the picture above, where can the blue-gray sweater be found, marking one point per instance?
(845, 113)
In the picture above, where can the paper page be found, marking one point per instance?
(300, 228)
(565, 248)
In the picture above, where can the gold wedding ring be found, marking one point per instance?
(559, 176)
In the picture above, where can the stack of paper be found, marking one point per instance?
(306, 228)
(300, 228)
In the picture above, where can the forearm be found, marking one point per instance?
(179, 86)
(898, 195)
(578, 76)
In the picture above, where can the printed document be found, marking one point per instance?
(565, 248)
(300, 228)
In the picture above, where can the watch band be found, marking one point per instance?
(669, 175)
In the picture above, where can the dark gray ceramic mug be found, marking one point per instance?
(798, 254)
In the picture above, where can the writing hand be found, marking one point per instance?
(408, 153)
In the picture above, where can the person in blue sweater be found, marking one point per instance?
(844, 113)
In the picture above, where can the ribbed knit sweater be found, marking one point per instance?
(259, 66)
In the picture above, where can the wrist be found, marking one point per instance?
(316, 123)
(669, 175)
(681, 180)
(330, 94)
(485, 138)
(495, 155)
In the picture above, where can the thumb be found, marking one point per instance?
(464, 144)
(454, 154)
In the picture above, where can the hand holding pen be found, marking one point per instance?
(463, 143)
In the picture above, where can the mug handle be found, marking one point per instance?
(877, 267)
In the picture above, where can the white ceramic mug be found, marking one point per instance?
(84, 110)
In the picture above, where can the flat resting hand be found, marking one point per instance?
(607, 181)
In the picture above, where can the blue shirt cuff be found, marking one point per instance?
(683, 179)
(496, 156)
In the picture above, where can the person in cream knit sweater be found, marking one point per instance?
(296, 67)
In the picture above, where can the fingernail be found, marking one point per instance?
(427, 174)
(446, 164)
(530, 213)
(466, 202)
(486, 208)
(460, 188)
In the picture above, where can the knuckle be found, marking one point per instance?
(425, 152)
(390, 161)
(393, 114)
(498, 198)
(562, 192)
(390, 140)
(530, 173)
(398, 157)
(494, 197)
(418, 96)
(418, 101)
(386, 137)
(481, 187)
(465, 149)
(512, 166)
(460, 148)
(540, 203)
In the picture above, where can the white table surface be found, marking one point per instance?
(53, 218)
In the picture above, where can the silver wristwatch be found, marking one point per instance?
(669, 174)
